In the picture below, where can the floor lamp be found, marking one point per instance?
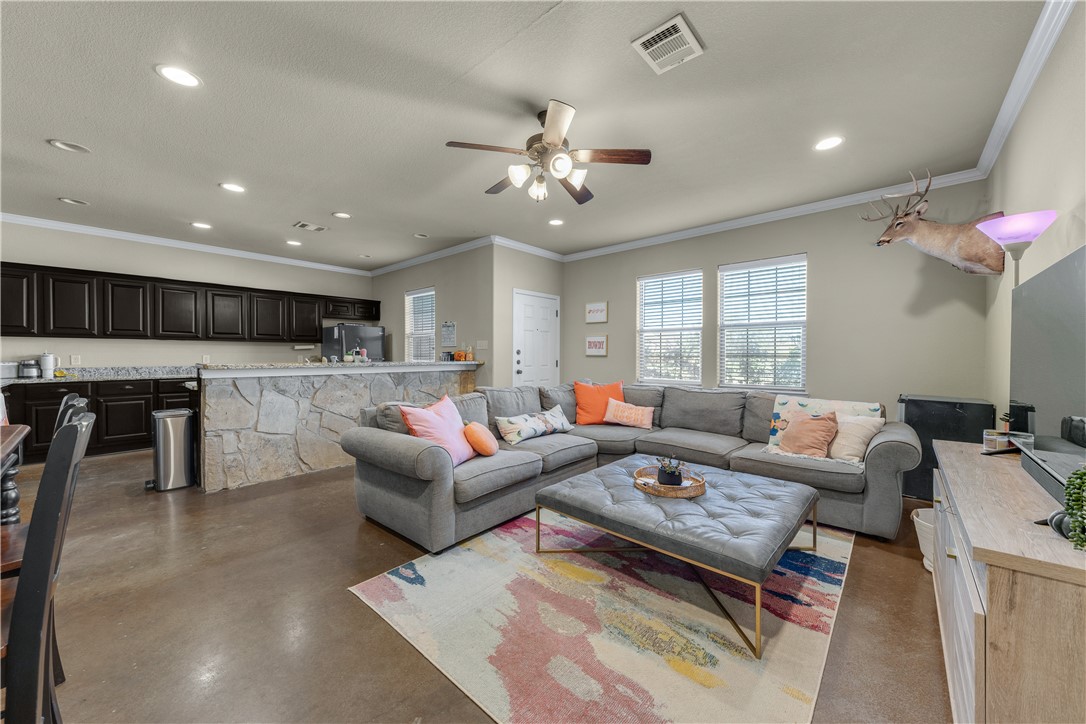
(1015, 233)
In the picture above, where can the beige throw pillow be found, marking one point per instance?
(854, 432)
(809, 435)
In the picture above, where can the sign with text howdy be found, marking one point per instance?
(595, 346)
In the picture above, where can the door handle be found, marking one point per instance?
(518, 351)
(520, 372)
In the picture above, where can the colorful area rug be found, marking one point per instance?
(613, 637)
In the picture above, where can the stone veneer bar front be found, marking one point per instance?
(266, 422)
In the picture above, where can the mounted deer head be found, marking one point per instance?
(962, 245)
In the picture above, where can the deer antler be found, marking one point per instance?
(910, 206)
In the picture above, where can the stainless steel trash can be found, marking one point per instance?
(172, 437)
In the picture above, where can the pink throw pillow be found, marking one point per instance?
(809, 435)
(623, 413)
(440, 423)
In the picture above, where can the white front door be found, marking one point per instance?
(535, 338)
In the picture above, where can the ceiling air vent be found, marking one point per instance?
(668, 46)
(309, 227)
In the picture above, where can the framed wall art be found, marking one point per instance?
(595, 346)
(595, 312)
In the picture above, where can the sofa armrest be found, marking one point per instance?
(892, 451)
(398, 453)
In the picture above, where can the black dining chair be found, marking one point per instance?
(28, 667)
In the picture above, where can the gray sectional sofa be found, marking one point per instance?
(409, 484)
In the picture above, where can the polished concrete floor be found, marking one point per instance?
(185, 607)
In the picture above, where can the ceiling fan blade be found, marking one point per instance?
(500, 186)
(559, 116)
(640, 156)
(580, 195)
(484, 147)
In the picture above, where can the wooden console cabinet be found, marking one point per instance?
(1011, 595)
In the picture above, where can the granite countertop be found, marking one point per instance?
(108, 374)
(329, 365)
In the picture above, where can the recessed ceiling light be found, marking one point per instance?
(77, 202)
(556, 222)
(422, 236)
(364, 256)
(341, 214)
(201, 225)
(68, 146)
(827, 143)
(294, 243)
(180, 76)
(232, 187)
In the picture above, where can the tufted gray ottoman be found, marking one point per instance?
(739, 528)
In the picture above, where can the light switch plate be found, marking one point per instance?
(77, 360)
(207, 358)
(482, 344)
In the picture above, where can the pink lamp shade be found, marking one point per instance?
(1017, 228)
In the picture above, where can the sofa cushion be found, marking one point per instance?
(555, 450)
(825, 474)
(389, 417)
(481, 475)
(693, 446)
(508, 402)
(612, 439)
(645, 396)
(719, 411)
(592, 401)
(472, 407)
(758, 416)
(560, 395)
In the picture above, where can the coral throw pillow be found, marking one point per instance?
(623, 413)
(854, 432)
(440, 423)
(481, 439)
(592, 401)
(809, 434)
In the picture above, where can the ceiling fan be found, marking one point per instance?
(548, 152)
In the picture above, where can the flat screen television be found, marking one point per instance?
(1048, 370)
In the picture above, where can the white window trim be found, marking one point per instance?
(410, 336)
(758, 264)
(640, 330)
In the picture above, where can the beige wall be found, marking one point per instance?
(1042, 166)
(516, 270)
(31, 245)
(881, 321)
(463, 290)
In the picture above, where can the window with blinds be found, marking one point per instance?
(763, 324)
(420, 317)
(669, 319)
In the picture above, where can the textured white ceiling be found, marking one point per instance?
(320, 107)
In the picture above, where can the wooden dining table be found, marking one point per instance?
(11, 453)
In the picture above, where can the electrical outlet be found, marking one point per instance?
(76, 360)
(207, 358)
(482, 344)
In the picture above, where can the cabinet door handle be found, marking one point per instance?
(950, 553)
(62, 389)
(128, 387)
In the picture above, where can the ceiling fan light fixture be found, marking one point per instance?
(538, 190)
(519, 173)
(560, 165)
(577, 176)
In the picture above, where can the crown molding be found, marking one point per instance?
(479, 243)
(1046, 32)
(527, 248)
(174, 243)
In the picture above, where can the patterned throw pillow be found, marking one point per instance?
(533, 424)
(788, 406)
(623, 413)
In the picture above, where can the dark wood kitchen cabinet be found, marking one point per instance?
(305, 319)
(126, 308)
(368, 310)
(268, 317)
(18, 301)
(172, 394)
(179, 311)
(69, 305)
(227, 314)
(13, 402)
(124, 413)
(40, 407)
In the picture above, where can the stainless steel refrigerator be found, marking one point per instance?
(342, 338)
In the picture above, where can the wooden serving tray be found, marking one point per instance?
(645, 481)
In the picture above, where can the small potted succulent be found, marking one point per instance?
(1071, 521)
(670, 471)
